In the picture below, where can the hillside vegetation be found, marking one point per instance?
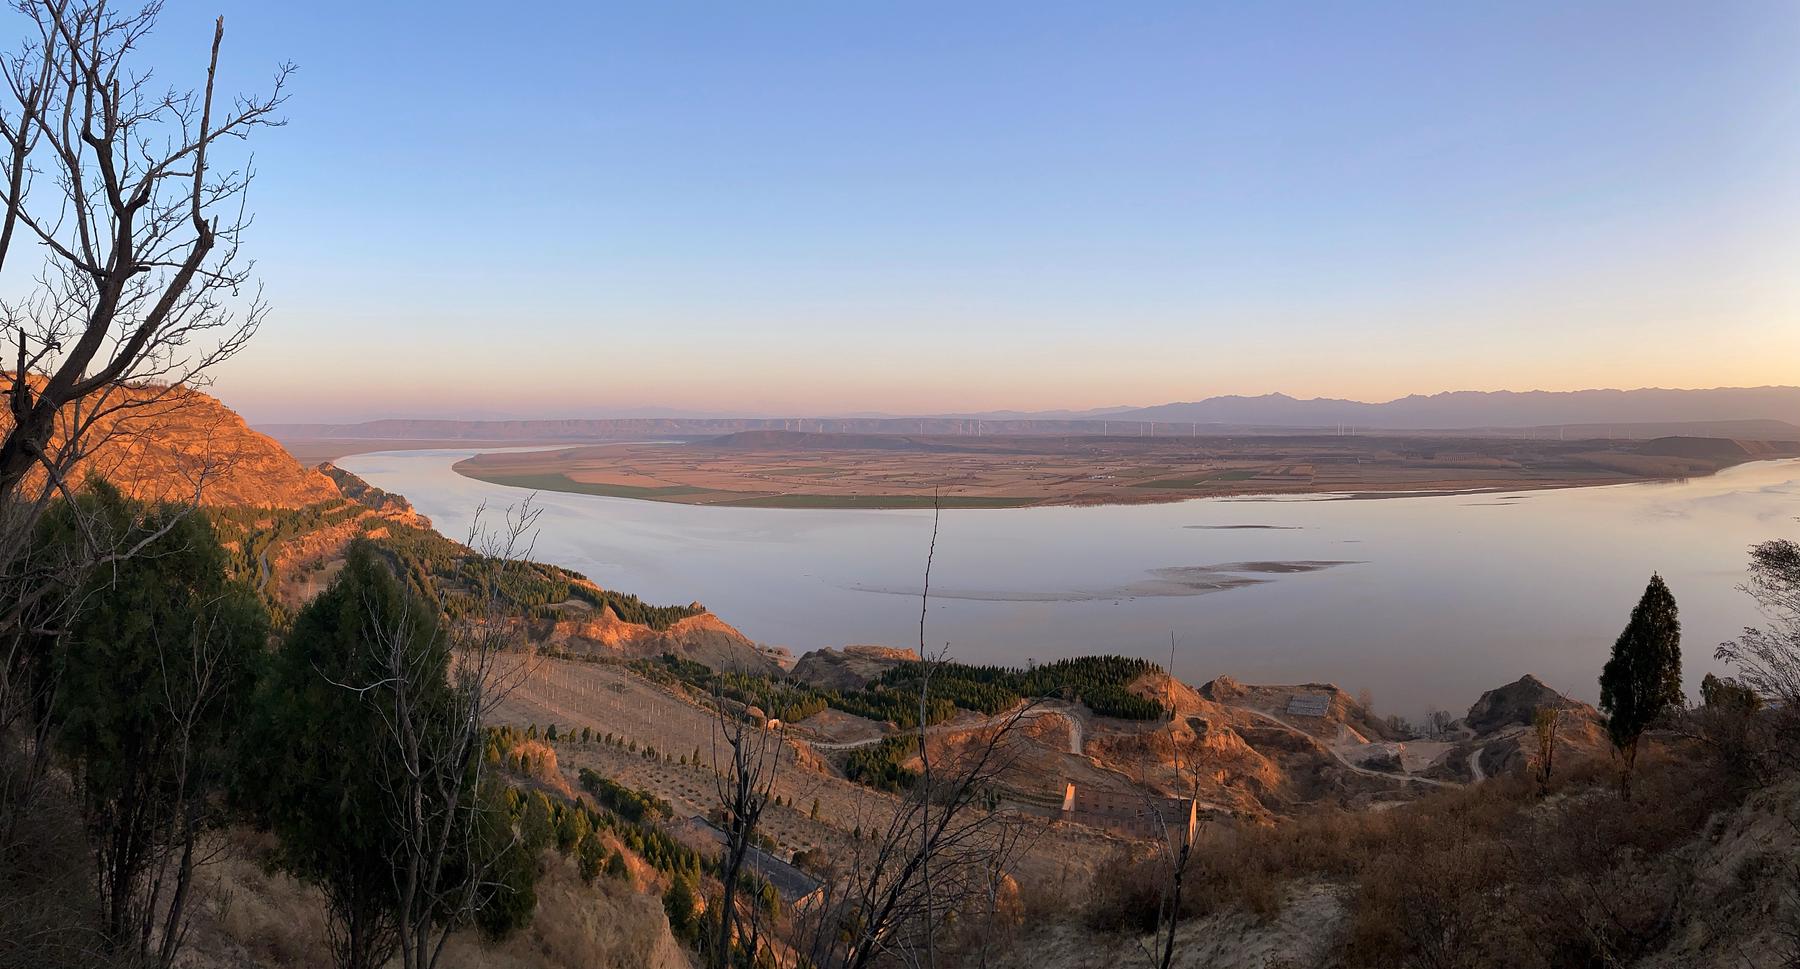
(1102, 683)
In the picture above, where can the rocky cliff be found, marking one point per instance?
(183, 445)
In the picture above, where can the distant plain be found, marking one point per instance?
(777, 469)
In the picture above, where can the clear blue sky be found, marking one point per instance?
(831, 207)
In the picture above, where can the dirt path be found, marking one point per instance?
(1347, 762)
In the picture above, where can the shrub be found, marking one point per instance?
(680, 903)
(1483, 875)
(883, 765)
(591, 858)
(632, 804)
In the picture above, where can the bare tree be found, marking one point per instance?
(133, 288)
(1768, 657)
(943, 847)
(1546, 727)
(743, 785)
(120, 186)
(432, 693)
(940, 848)
(1174, 836)
(140, 229)
(1767, 662)
(199, 683)
(996, 905)
(435, 740)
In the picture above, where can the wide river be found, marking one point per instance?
(1423, 601)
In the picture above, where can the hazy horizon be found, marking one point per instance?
(578, 412)
(826, 209)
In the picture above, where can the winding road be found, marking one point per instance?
(1077, 741)
(1475, 770)
(1347, 762)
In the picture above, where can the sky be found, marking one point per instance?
(827, 207)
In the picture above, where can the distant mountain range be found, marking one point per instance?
(1496, 409)
(1766, 413)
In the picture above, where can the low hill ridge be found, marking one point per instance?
(1763, 413)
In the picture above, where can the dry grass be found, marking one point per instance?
(252, 916)
(1485, 875)
(49, 917)
(608, 925)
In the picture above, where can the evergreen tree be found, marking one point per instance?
(328, 808)
(1726, 693)
(571, 830)
(509, 893)
(679, 903)
(590, 858)
(1643, 677)
(322, 785)
(155, 674)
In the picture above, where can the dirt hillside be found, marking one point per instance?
(181, 444)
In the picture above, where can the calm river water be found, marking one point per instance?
(1421, 600)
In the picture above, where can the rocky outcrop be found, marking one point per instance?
(1223, 689)
(1515, 703)
(849, 668)
(183, 445)
(704, 639)
(385, 502)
